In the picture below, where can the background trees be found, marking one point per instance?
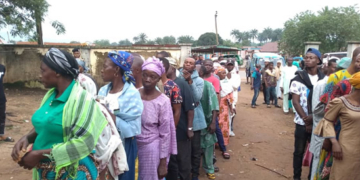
(332, 27)
(25, 18)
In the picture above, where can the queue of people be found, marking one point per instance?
(326, 102)
(132, 128)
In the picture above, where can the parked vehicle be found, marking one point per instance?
(238, 58)
(338, 55)
(259, 58)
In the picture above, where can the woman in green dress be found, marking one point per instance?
(66, 126)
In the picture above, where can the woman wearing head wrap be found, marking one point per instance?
(158, 137)
(123, 101)
(345, 146)
(68, 152)
(225, 104)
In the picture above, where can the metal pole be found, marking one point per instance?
(217, 38)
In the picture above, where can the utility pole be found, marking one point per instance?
(217, 38)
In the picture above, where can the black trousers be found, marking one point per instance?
(180, 164)
(195, 154)
(2, 117)
(301, 138)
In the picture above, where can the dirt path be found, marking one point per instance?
(261, 133)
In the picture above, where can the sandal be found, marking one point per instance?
(226, 155)
(7, 139)
(210, 175)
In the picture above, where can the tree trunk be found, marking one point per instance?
(39, 29)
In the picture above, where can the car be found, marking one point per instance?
(259, 58)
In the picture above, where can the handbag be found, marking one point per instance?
(307, 157)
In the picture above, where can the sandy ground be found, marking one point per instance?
(261, 133)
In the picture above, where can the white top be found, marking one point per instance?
(111, 101)
(287, 73)
(314, 79)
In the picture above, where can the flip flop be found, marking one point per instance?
(210, 175)
(7, 139)
(226, 155)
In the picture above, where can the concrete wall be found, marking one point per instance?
(22, 62)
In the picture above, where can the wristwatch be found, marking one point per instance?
(190, 128)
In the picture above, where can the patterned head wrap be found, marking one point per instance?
(124, 60)
(61, 62)
(220, 69)
(355, 80)
(154, 64)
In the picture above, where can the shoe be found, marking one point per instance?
(264, 102)
(253, 106)
(256, 105)
(268, 106)
(232, 134)
(277, 106)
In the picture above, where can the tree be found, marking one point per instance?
(236, 35)
(74, 42)
(114, 44)
(142, 38)
(309, 26)
(261, 37)
(207, 39)
(169, 40)
(267, 33)
(276, 35)
(229, 43)
(25, 18)
(102, 42)
(253, 34)
(159, 40)
(186, 39)
(151, 42)
(125, 42)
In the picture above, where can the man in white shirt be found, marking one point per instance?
(235, 81)
(287, 73)
(318, 114)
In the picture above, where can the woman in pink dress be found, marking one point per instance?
(158, 137)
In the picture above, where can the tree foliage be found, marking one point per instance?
(75, 42)
(186, 39)
(142, 38)
(102, 42)
(207, 39)
(332, 27)
(124, 42)
(169, 40)
(25, 18)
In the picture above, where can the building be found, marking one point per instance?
(270, 47)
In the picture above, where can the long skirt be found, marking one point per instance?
(149, 160)
(224, 117)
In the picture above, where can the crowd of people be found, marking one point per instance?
(153, 120)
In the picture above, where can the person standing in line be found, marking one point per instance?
(172, 91)
(179, 165)
(191, 76)
(340, 89)
(278, 70)
(210, 77)
(157, 140)
(288, 73)
(266, 64)
(270, 83)
(201, 59)
(3, 107)
(77, 56)
(301, 90)
(256, 84)
(136, 70)
(345, 145)
(318, 113)
(210, 104)
(248, 69)
(124, 103)
(235, 81)
(196, 57)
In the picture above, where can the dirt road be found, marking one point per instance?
(261, 133)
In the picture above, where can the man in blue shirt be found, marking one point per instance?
(191, 76)
(256, 84)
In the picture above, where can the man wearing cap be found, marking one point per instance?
(81, 63)
(301, 91)
(235, 81)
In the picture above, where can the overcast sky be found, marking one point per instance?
(88, 20)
